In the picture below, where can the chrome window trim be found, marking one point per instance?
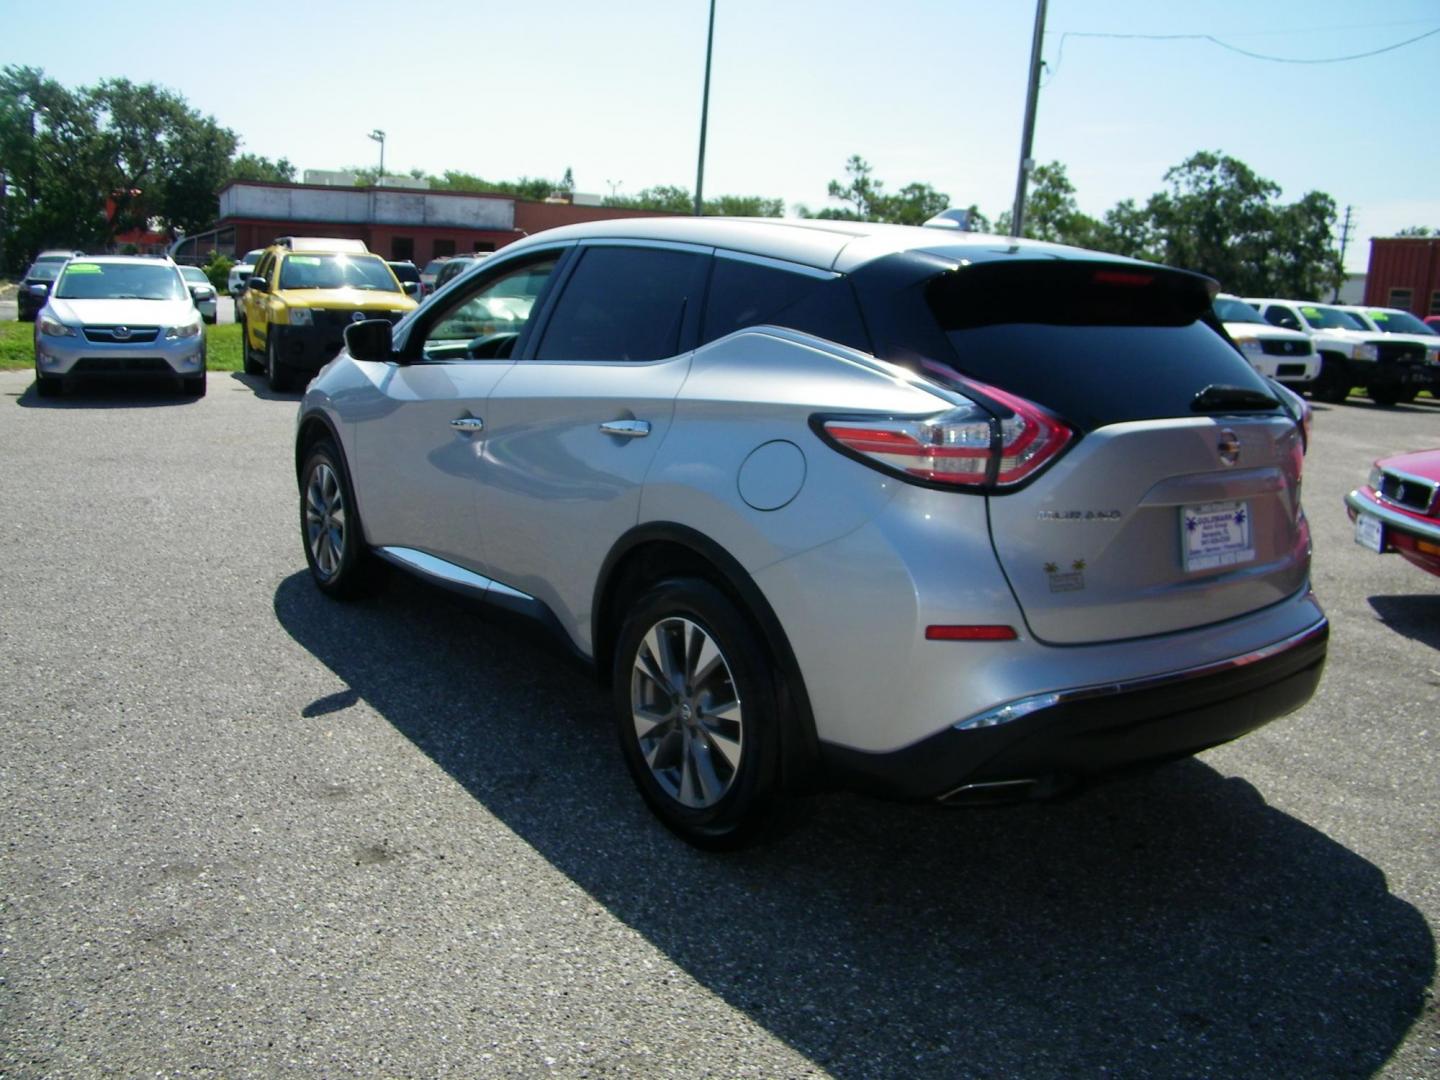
(657, 245)
(815, 272)
(1014, 710)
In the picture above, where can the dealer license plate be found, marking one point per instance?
(1369, 532)
(1216, 534)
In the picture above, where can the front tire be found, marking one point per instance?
(275, 373)
(697, 714)
(329, 525)
(1333, 384)
(1383, 395)
(251, 365)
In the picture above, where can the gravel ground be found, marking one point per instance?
(252, 833)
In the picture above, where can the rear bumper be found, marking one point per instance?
(1092, 730)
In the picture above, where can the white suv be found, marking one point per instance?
(1286, 355)
(1350, 354)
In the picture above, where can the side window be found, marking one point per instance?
(486, 323)
(1281, 316)
(747, 293)
(265, 267)
(624, 303)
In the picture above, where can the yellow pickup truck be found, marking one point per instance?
(303, 294)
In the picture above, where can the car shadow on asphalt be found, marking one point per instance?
(98, 394)
(1165, 925)
(1416, 616)
(256, 384)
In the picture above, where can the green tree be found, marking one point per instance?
(1051, 212)
(1126, 229)
(1302, 259)
(866, 199)
(745, 206)
(254, 167)
(1418, 230)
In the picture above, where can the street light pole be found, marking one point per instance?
(1027, 139)
(379, 136)
(704, 115)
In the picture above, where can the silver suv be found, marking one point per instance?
(119, 316)
(918, 512)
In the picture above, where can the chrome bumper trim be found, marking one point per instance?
(1393, 518)
(1014, 710)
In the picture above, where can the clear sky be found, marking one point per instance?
(926, 90)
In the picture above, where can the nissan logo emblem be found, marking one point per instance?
(121, 333)
(1229, 447)
(358, 316)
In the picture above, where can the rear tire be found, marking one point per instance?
(1383, 395)
(697, 714)
(340, 564)
(1332, 386)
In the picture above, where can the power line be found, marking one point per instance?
(1060, 53)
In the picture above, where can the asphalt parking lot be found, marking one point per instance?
(253, 833)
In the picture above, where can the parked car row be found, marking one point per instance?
(1389, 352)
(838, 504)
(444, 268)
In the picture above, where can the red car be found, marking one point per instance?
(1433, 321)
(1398, 509)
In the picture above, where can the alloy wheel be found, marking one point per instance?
(325, 519)
(687, 713)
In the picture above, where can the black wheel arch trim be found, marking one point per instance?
(800, 747)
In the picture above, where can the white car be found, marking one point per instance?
(1286, 355)
(201, 291)
(241, 272)
(1350, 354)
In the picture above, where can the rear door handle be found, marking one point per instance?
(627, 429)
(468, 423)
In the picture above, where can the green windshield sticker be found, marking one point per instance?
(1311, 312)
(304, 260)
(83, 268)
(1379, 316)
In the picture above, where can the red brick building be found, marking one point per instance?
(395, 223)
(1404, 273)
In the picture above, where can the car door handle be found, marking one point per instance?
(468, 423)
(627, 429)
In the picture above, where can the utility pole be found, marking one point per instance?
(1344, 243)
(379, 136)
(1017, 215)
(704, 115)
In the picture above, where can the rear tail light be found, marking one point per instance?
(963, 447)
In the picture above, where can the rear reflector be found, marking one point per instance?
(970, 633)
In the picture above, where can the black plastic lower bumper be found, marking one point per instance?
(1091, 731)
(307, 348)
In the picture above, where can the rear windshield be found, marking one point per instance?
(337, 272)
(120, 281)
(43, 271)
(1095, 343)
(405, 271)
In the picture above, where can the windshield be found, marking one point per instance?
(337, 272)
(405, 271)
(195, 274)
(1329, 318)
(120, 281)
(1399, 322)
(43, 271)
(1228, 310)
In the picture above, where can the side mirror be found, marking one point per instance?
(197, 291)
(412, 288)
(259, 284)
(370, 340)
(39, 289)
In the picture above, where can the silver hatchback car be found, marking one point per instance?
(923, 513)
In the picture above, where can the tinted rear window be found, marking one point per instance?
(1095, 343)
(744, 292)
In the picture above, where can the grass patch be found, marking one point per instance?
(17, 346)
